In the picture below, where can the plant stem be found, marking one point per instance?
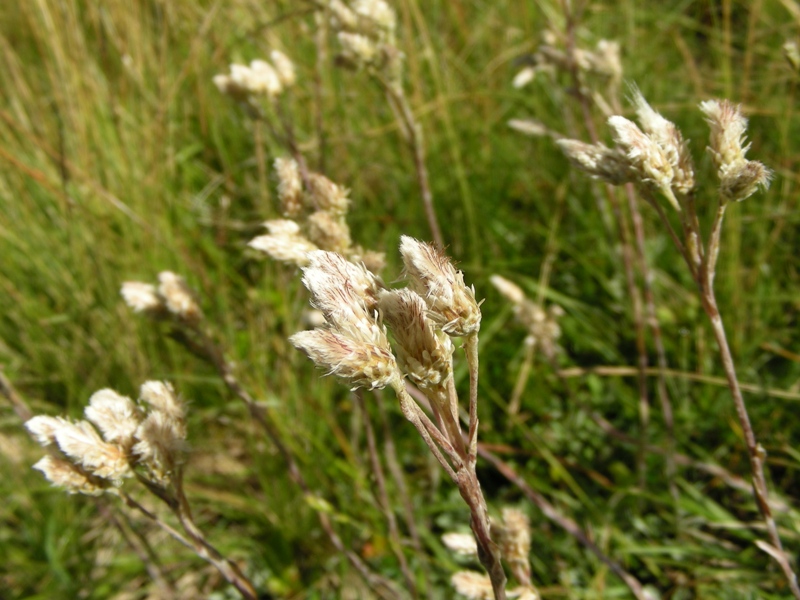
(383, 496)
(413, 133)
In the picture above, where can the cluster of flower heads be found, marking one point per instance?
(540, 323)
(552, 56)
(513, 535)
(654, 154)
(366, 32)
(353, 344)
(315, 210)
(119, 435)
(170, 299)
(260, 78)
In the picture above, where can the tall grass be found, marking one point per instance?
(120, 159)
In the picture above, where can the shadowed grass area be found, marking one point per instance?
(119, 159)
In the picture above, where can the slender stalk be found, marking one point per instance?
(207, 348)
(414, 137)
(392, 462)
(471, 350)
(383, 496)
(204, 549)
(567, 524)
(704, 277)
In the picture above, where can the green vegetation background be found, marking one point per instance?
(119, 158)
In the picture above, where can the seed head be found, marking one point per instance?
(143, 298)
(343, 291)
(43, 428)
(473, 585)
(670, 140)
(376, 15)
(514, 539)
(160, 395)
(451, 303)
(424, 352)
(742, 181)
(739, 177)
(284, 243)
(115, 416)
(342, 16)
(357, 49)
(326, 195)
(648, 160)
(178, 298)
(329, 232)
(160, 445)
(81, 442)
(290, 190)
(606, 164)
(284, 67)
(64, 474)
(462, 544)
(361, 357)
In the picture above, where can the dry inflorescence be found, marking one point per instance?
(148, 436)
(353, 345)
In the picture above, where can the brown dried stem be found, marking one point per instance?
(205, 347)
(383, 496)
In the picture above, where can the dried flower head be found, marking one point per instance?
(43, 428)
(342, 16)
(376, 16)
(605, 60)
(284, 67)
(361, 356)
(648, 160)
(161, 397)
(116, 416)
(64, 474)
(326, 195)
(284, 243)
(290, 189)
(358, 50)
(524, 77)
(461, 544)
(739, 177)
(514, 539)
(475, 586)
(143, 298)
(178, 298)
(451, 303)
(424, 352)
(339, 287)
(160, 446)
(329, 232)
(372, 261)
(670, 140)
(598, 161)
(81, 442)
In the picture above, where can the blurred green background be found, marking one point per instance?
(119, 158)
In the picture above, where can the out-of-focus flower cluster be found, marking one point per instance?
(366, 33)
(95, 455)
(540, 323)
(655, 155)
(259, 79)
(552, 56)
(315, 211)
(170, 299)
(513, 536)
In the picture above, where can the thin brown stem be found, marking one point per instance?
(19, 405)
(414, 138)
(263, 416)
(471, 350)
(205, 550)
(383, 496)
(567, 524)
